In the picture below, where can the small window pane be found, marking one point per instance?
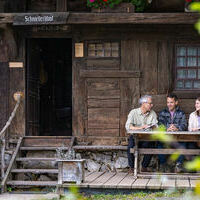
(192, 73)
(179, 84)
(104, 49)
(107, 45)
(198, 51)
(197, 84)
(198, 74)
(115, 46)
(181, 51)
(91, 46)
(100, 53)
(192, 61)
(192, 51)
(188, 84)
(91, 53)
(107, 53)
(181, 74)
(181, 62)
(115, 53)
(99, 46)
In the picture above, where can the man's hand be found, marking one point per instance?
(172, 128)
(138, 128)
(144, 126)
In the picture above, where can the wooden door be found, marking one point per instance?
(103, 100)
(33, 89)
(4, 80)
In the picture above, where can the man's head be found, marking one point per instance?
(146, 103)
(172, 102)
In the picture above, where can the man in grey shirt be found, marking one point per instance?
(140, 119)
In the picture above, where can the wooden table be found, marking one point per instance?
(179, 136)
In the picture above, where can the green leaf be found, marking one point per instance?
(162, 136)
(195, 6)
(175, 156)
(193, 165)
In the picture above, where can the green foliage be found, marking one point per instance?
(140, 5)
(9, 189)
(162, 136)
(195, 6)
(194, 164)
(175, 156)
(103, 3)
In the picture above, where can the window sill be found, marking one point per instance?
(181, 94)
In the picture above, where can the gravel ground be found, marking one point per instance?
(49, 196)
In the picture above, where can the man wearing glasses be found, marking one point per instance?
(140, 119)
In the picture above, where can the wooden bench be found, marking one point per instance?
(179, 136)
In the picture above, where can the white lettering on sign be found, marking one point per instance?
(29, 19)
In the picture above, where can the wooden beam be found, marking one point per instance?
(167, 151)
(120, 18)
(109, 74)
(6, 18)
(133, 18)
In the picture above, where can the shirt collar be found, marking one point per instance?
(140, 112)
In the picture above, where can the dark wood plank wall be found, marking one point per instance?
(148, 49)
(102, 99)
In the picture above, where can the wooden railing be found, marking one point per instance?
(17, 97)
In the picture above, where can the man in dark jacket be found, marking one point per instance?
(173, 118)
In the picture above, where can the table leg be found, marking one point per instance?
(136, 156)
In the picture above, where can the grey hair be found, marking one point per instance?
(144, 99)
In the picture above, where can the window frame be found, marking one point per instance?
(102, 42)
(175, 68)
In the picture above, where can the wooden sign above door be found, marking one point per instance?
(40, 18)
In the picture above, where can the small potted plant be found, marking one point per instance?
(117, 5)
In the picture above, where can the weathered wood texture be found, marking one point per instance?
(148, 67)
(17, 83)
(79, 110)
(136, 18)
(41, 5)
(103, 120)
(61, 5)
(4, 88)
(115, 18)
(129, 87)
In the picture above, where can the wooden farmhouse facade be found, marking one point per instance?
(82, 72)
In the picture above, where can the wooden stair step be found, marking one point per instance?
(35, 159)
(32, 183)
(36, 171)
(41, 148)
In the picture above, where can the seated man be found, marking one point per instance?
(173, 118)
(140, 119)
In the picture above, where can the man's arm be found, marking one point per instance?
(182, 126)
(130, 123)
(162, 119)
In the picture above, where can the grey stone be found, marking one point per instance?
(111, 166)
(44, 178)
(78, 156)
(121, 162)
(92, 166)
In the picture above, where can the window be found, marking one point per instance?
(103, 49)
(187, 66)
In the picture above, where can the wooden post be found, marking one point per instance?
(61, 5)
(3, 158)
(136, 156)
